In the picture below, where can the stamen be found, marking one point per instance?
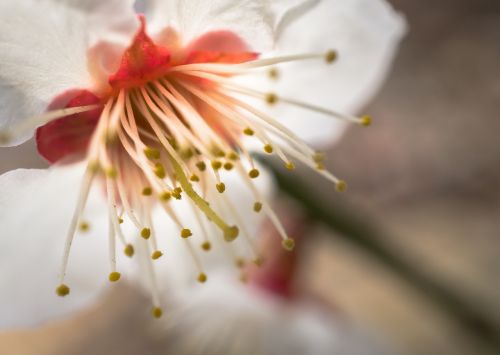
(82, 199)
(186, 233)
(62, 290)
(254, 173)
(156, 255)
(239, 68)
(230, 233)
(153, 285)
(6, 136)
(272, 98)
(129, 250)
(273, 73)
(146, 233)
(331, 56)
(84, 226)
(114, 276)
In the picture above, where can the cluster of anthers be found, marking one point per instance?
(166, 133)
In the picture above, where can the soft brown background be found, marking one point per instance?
(428, 172)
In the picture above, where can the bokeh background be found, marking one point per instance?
(416, 256)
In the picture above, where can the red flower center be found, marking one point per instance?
(141, 63)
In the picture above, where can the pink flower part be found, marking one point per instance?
(67, 138)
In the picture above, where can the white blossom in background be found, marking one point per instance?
(142, 115)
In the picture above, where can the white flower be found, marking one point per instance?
(152, 110)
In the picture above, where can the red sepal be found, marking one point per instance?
(70, 135)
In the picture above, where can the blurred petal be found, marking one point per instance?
(244, 321)
(36, 209)
(43, 50)
(365, 33)
(249, 19)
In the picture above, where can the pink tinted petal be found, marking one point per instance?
(219, 47)
(219, 41)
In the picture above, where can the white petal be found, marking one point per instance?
(366, 33)
(246, 321)
(36, 207)
(113, 20)
(43, 50)
(250, 19)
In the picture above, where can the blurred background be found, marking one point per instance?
(415, 250)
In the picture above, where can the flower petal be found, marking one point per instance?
(43, 51)
(36, 207)
(365, 33)
(249, 19)
(245, 321)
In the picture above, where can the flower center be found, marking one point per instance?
(173, 126)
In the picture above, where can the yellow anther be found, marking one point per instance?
(129, 250)
(254, 173)
(173, 143)
(221, 187)
(177, 193)
(159, 171)
(156, 312)
(111, 172)
(216, 165)
(94, 167)
(5, 137)
(84, 226)
(114, 276)
(244, 277)
(239, 262)
(274, 73)
(186, 233)
(341, 186)
(110, 137)
(156, 255)
(146, 233)
(233, 156)
(288, 244)
(271, 98)
(152, 153)
(62, 290)
(366, 121)
(218, 152)
(147, 191)
(202, 277)
(248, 131)
(231, 233)
(257, 207)
(206, 246)
(320, 166)
(259, 261)
(194, 178)
(187, 153)
(290, 166)
(319, 157)
(331, 56)
(201, 166)
(268, 148)
(165, 196)
(228, 166)
(120, 220)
